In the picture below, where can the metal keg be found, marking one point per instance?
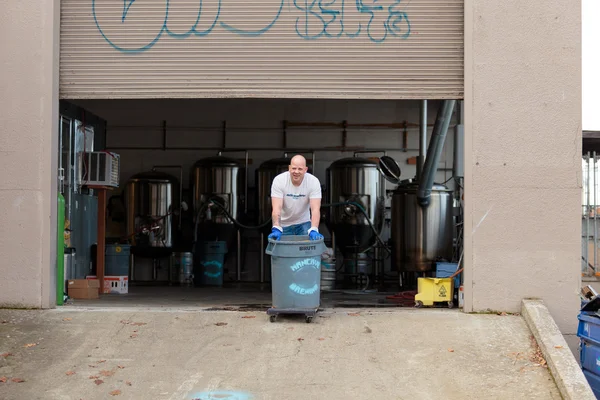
(183, 268)
(327, 275)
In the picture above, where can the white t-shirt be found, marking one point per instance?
(296, 199)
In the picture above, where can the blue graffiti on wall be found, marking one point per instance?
(318, 18)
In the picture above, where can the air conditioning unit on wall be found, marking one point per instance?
(99, 168)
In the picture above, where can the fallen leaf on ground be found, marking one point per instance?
(67, 319)
(70, 373)
(128, 383)
(120, 366)
(92, 366)
(101, 361)
(2, 379)
(221, 323)
(249, 316)
(300, 339)
(98, 381)
(135, 331)
(321, 338)
(17, 380)
(133, 335)
(115, 392)
(107, 373)
(28, 345)
(139, 323)
(291, 328)
(558, 347)
(353, 314)
(93, 377)
(6, 354)
(503, 314)
(5, 322)
(451, 350)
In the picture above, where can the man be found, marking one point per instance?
(296, 201)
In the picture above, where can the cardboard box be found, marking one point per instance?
(116, 284)
(83, 288)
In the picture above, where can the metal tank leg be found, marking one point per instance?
(262, 258)
(131, 268)
(239, 256)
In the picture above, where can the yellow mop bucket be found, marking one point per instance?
(434, 290)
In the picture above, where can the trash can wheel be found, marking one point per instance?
(418, 304)
(308, 319)
(273, 318)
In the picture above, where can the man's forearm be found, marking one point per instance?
(276, 218)
(315, 218)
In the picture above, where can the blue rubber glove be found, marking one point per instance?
(313, 234)
(276, 233)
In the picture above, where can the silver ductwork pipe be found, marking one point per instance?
(434, 152)
(458, 170)
(422, 137)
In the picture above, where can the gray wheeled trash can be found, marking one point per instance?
(295, 276)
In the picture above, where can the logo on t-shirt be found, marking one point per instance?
(295, 196)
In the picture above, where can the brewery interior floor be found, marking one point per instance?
(247, 296)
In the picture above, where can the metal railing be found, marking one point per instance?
(589, 217)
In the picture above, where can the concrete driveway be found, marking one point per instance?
(170, 354)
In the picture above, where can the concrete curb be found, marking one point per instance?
(567, 373)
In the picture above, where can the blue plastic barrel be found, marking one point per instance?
(210, 262)
(295, 272)
(116, 260)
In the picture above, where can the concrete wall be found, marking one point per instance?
(523, 155)
(523, 114)
(28, 152)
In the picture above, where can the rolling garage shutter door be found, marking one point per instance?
(371, 49)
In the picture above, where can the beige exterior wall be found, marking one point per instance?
(521, 95)
(28, 143)
(261, 49)
(523, 155)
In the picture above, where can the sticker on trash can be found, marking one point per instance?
(214, 272)
(306, 275)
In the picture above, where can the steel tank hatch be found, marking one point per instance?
(151, 199)
(421, 235)
(215, 180)
(361, 181)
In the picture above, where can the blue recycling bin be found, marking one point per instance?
(116, 259)
(588, 332)
(209, 268)
(295, 275)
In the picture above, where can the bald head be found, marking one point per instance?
(298, 160)
(297, 169)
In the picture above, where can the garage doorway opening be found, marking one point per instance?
(198, 172)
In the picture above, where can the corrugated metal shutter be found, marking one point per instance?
(379, 49)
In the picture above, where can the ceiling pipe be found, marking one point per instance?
(422, 137)
(434, 152)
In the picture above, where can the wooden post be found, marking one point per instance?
(101, 238)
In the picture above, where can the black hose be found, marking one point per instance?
(235, 222)
(264, 224)
(360, 207)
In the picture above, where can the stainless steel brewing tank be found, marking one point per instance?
(216, 179)
(358, 180)
(421, 236)
(150, 200)
(265, 174)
